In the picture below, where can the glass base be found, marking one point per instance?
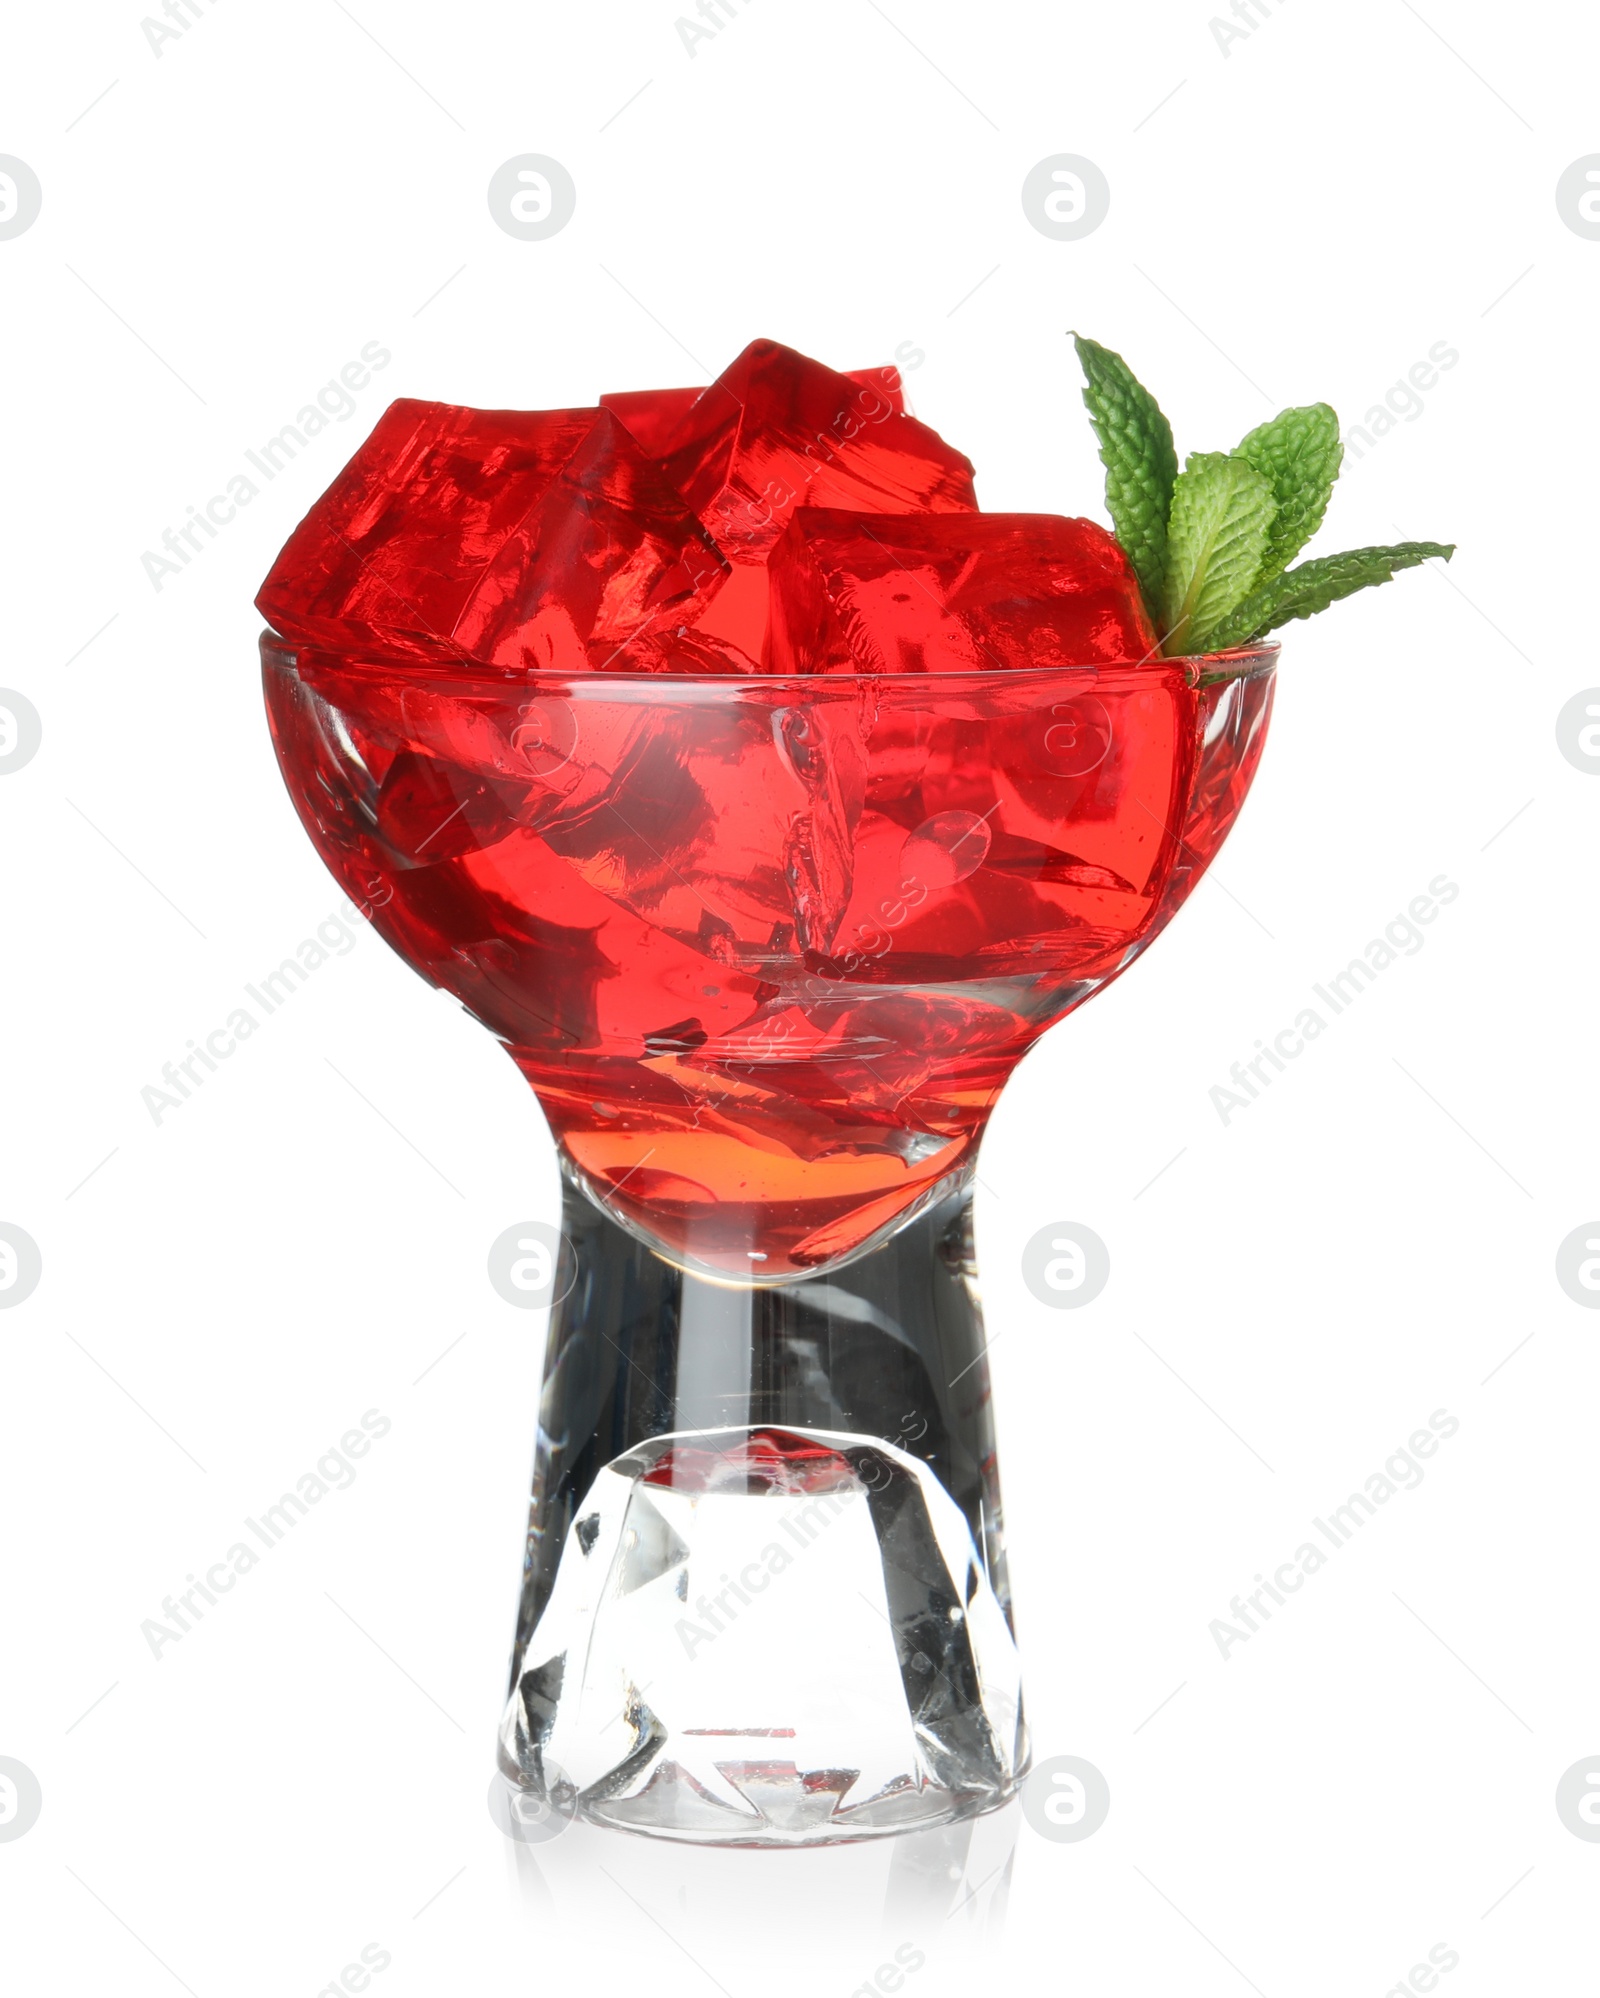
(766, 1599)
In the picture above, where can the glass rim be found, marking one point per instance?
(1200, 669)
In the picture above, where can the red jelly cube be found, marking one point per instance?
(539, 539)
(609, 553)
(391, 553)
(863, 593)
(651, 415)
(776, 431)
(887, 382)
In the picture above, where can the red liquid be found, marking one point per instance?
(762, 1461)
(767, 950)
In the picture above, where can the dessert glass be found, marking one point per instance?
(767, 950)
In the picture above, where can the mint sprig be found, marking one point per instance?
(1141, 462)
(1311, 587)
(1299, 451)
(1210, 546)
(1222, 514)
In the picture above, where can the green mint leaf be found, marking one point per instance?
(1310, 588)
(1222, 514)
(1141, 464)
(1299, 451)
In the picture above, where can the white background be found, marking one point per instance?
(1304, 217)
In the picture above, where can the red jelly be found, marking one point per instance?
(766, 949)
(950, 593)
(776, 431)
(767, 943)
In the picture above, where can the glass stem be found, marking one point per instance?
(889, 1345)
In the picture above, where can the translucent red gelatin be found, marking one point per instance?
(630, 537)
(950, 593)
(764, 1461)
(766, 949)
(524, 541)
(669, 736)
(776, 431)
